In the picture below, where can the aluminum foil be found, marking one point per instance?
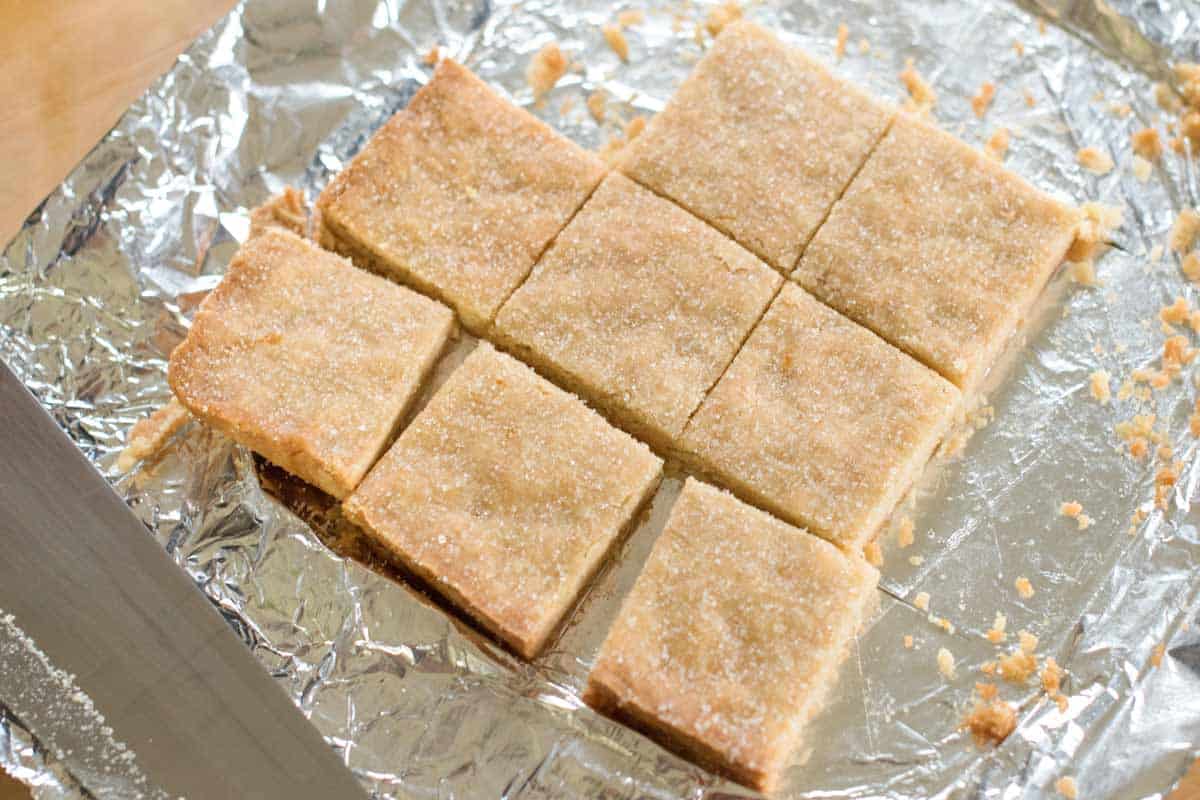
(100, 283)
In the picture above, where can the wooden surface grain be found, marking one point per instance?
(71, 67)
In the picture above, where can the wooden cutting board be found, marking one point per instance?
(69, 69)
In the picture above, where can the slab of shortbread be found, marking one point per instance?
(638, 306)
(306, 359)
(730, 639)
(759, 141)
(938, 249)
(820, 421)
(457, 195)
(505, 494)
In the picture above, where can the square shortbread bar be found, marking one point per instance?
(457, 195)
(306, 359)
(505, 494)
(638, 306)
(759, 141)
(730, 639)
(938, 249)
(820, 421)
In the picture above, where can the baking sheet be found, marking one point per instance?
(100, 282)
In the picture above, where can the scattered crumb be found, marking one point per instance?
(921, 601)
(1164, 480)
(922, 97)
(916, 561)
(873, 554)
(1018, 666)
(945, 662)
(630, 17)
(996, 634)
(1042, 26)
(1156, 655)
(287, 210)
(943, 623)
(1066, 787)
(991, 720)
(634, 128)
(983, 98)
(1019, 48)
(433, 56)
(864, 46)
(615, 37)
(597, 104)
(996, 147)
(904, 532)
(1094, 160)
(1147, 144)
(908, 641)
(1191, 266)
(1024, 587)
(1052, 675)
(1099, 221)
(721, 16)
(1184, 231)
(1029, 99)
(843, 34)
(1101, 385)
(1156, 253)
(1176, 313)
(1120, 110)
(1075, 511)
(148, 435)
(545, 69)
(1084, 273)
(1142, 169)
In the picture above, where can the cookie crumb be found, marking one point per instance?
(904, 532)
(721, 16)
(149, 435)
(634, 127)
(921, 96)
(945, 662)
(873, 554)
(1156, 655)
(1183, 232)
(996, 147)
(843, 34)
(1084, 273)
(996, 634)
(1052, 675)
(615, 37)
(916, 561)
(1019, 48)
(1142, 169)
(597, 104)
(545, 69)
(1191, 267)
(908, 641)
(630, 17)
(983, 98)
(991, 720)
(1097, 225)
(1100, 383)
(1066, 787)
(1024, 587)
(864, 46)
(1094, 160)
(921, 601)
(1147, 144)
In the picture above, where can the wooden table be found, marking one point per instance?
(68, 84)
(70, 68)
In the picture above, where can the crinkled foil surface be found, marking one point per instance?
(102, 279)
